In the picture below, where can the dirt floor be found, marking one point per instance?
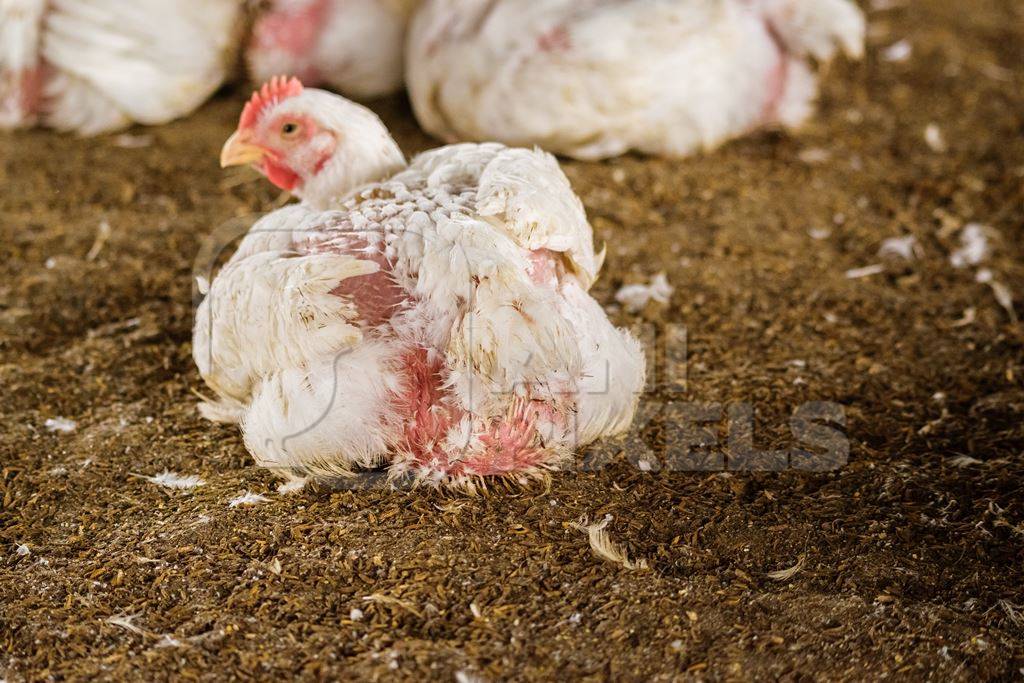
(908, 561)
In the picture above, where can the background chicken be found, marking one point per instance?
(92, 66)
(433, 316)
(596, 78)
(352, 46)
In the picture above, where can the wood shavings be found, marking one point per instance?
(1015, 613)
(864, 271)
(969, 316)
(397, 602)
(934, 138)
(906, 248)
(1004, 297)
(787, 574)
(167, 640)
(603, 546)
(102, 235)
(129, 141)
(127, 622)
(1002, 293)
(898, 52)
(814, 155)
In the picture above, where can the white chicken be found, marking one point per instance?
(430, 316)
(596, 78)
(92, 66)
(352, 46)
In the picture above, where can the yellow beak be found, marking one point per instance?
(238, 151)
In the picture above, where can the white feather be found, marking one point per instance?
(172, 480)
(635, 297)
(114, 62)
(596, 78)
(326, 419)
(273, 310)
(248, 498)
(20, 36)
(60, 424)
(529, 196)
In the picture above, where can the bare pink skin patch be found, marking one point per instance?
(777, 77)
(509, 444)
(32, 89)
(554, 40)
(23, 93)
(293, 30)
(544, 267)
(427, 418)
(376, 296)
(21, 85)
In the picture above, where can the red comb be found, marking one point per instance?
(276, 89)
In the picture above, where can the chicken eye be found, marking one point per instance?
(289, 129)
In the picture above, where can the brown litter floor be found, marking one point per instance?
(908, 559)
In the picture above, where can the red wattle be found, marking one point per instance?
(280, 175)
